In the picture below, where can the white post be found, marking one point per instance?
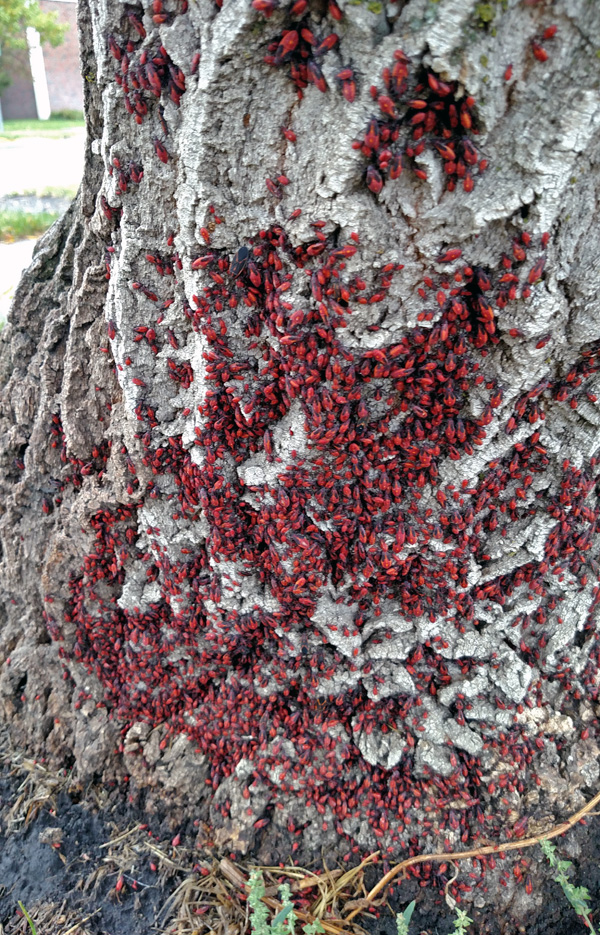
(38, 74)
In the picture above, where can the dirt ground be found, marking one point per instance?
(88, 862)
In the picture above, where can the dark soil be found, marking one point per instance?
(548, 911)
(35, 872)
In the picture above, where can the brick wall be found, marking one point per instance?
(63, 73)
(18, 102)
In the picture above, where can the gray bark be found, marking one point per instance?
(501, 672)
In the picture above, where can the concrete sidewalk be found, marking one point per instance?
(34, 163)
(14, 258)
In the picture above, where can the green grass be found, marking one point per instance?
(49, 191)
(54, 128)
(17, 226)
(28, 917)
(68, 115)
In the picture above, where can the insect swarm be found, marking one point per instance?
(321, 506)
(363, 504)
(410, 119)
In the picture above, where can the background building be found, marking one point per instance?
(46, 80)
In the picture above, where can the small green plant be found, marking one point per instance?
(578, 896)
(28, 917)
(461, 923)
(284, 922)
(403, 918)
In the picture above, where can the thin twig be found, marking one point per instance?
(121, 837)
(478, 851)
(74, 928)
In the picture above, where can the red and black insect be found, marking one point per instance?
(359, 511)
(427, 115)
(239, 261)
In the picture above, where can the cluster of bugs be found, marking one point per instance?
(145, 72)
(411, 117)
(78, 468)
(568, 389)
(130, 174)
(111, 214)
(537, 48)
(303, 51)
(431, 112)
(479, 314)
(359, 511)
(145, 78)
(294, 8)
(164, 12)
(181, 373)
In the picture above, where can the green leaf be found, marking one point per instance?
(282, 914)
(462, 922)
(28, 917)
(313, 928)
(403, 921)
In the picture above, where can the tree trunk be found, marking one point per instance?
(300, 525)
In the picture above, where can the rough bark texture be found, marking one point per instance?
(325, 544)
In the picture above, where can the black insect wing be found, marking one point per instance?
(239, 262)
